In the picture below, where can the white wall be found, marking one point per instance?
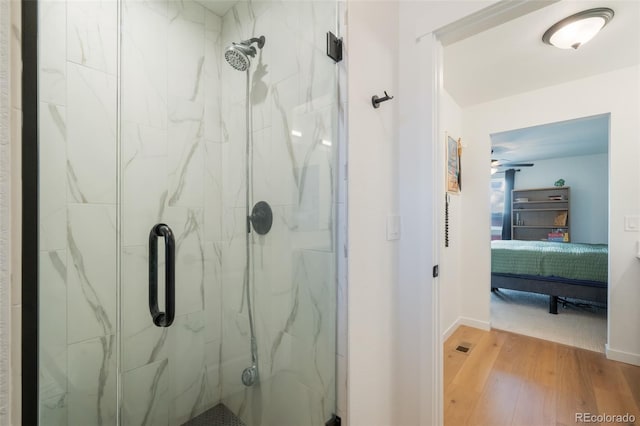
(372, 153)
(616, 93)
(391, 327)
(588, 178)
(418, 389)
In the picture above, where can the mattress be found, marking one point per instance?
(575, 261)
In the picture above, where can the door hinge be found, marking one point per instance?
(334, 47)
(436, 271)
(335, 420)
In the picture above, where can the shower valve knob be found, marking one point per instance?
(261, 218)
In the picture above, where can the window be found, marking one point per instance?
(497, 207)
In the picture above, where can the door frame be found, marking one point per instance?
(30, 226)
(454, 23)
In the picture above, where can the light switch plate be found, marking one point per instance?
(393, 227)
(632, 223)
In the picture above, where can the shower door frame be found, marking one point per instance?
(29, 238)
(30, 213)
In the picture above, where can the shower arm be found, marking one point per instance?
(258, 40)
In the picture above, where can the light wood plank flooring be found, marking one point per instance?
(510, 379)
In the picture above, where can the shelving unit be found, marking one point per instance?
(534, 215)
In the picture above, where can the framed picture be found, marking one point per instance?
(454, 171)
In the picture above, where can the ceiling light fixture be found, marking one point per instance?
(575, 30)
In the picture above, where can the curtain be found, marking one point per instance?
(509, 178)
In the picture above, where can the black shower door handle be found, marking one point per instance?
(162, 319)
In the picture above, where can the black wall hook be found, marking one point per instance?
(375, 100)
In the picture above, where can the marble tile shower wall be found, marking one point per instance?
(293, 98)
(77, 113)
(182, 162)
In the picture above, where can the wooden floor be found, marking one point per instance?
(510, 379)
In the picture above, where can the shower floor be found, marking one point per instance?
(219, 415)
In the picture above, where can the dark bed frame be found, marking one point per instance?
(552, 286)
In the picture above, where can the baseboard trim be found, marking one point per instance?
(626, 357)
(449, 331)
(469, 322)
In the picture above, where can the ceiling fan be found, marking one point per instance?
(501, 165)
(507, 163)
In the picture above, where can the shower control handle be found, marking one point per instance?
(162, 319)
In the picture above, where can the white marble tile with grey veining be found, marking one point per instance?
(145, 395)
(234, 393)
(188, 375)
(52, 53)
(213, 352)
(285, 136)
(213, 187)
(144, 198)
(297, 406)
(236, 342)
(92, 34)
(143, 342)
(53, 325)
(186, 51)
(314, 328)
(53, 411)
(308, 333)
(234, 157)
(262, 68)
(142, 141)
(263, 186)
(213, 59)
(315, 19)
(91, 271)
(91, 135)
(144, 63)
(92, 382)
(213, 292)
(283, 63)
(186, 154)
(187, 226)
(52, 177)
(317, 77)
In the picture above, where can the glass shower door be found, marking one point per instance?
(166, 371)
(205, 135)
(149, 115)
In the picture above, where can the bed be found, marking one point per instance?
(556, 269)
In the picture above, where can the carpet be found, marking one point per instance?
(527, 313)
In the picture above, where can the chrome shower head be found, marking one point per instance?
(237, 58)
(238, 54)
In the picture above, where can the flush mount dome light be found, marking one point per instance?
(575, 30)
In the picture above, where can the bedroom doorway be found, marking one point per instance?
(558, 216)
(511, 88)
